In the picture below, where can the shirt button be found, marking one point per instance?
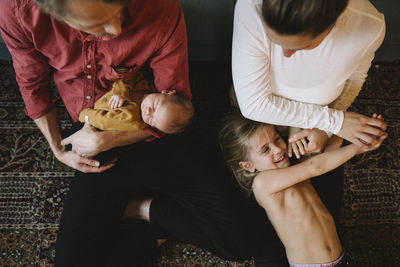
(89, 77)
(88, 97)
(89, 66)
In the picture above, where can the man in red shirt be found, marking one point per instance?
(85, 56)
(85, 46)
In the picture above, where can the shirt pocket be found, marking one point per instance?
(115, 73)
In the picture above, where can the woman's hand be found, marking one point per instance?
(307, 141)
(377, 140)
(362, 130)
(298, 147)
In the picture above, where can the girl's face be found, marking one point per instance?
(266, 150)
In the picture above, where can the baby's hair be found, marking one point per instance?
(233, 138)
(187, 108)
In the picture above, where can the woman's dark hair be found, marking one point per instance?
(291, 17)
(58, 8)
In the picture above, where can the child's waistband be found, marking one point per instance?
(329, 264)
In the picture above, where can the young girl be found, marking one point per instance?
(257, 155)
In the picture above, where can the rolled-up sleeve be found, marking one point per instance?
(32, 71)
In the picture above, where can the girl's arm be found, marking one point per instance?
(273, 181)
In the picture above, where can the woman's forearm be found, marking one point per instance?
(278, 110)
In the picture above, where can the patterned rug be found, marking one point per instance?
(33, 184)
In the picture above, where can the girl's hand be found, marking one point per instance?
(307, 141)
(116, 101)
(298, 147)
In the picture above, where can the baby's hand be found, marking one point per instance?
(380, 139)
(116, 101)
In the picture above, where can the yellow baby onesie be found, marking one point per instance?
(125, 118)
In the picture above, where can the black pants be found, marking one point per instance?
(195, 201)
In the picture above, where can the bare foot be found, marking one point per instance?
(138, 208)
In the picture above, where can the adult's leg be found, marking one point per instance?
(266, 247)
(91, 231)
(189, 173)
(193, 175)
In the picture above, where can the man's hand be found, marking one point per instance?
(88, 142)
(85, 142)
(362, 130)
(81, 163)
(307, 141)
(116, 101)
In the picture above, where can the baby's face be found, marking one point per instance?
(267, 150)
(160, 113)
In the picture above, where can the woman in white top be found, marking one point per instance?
(293, 58)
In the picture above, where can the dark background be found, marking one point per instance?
(209, 28)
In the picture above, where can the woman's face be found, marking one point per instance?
(266, 150)
(292, 43)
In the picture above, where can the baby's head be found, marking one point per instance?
(250, 147)
(167, 111)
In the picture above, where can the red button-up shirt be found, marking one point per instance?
(83, 66)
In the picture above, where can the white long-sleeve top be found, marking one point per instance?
(296, 91)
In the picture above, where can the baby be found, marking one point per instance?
(133, 103)
(257, 155)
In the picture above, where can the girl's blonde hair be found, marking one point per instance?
(233, 138)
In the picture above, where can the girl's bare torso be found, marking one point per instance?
(304, 225)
